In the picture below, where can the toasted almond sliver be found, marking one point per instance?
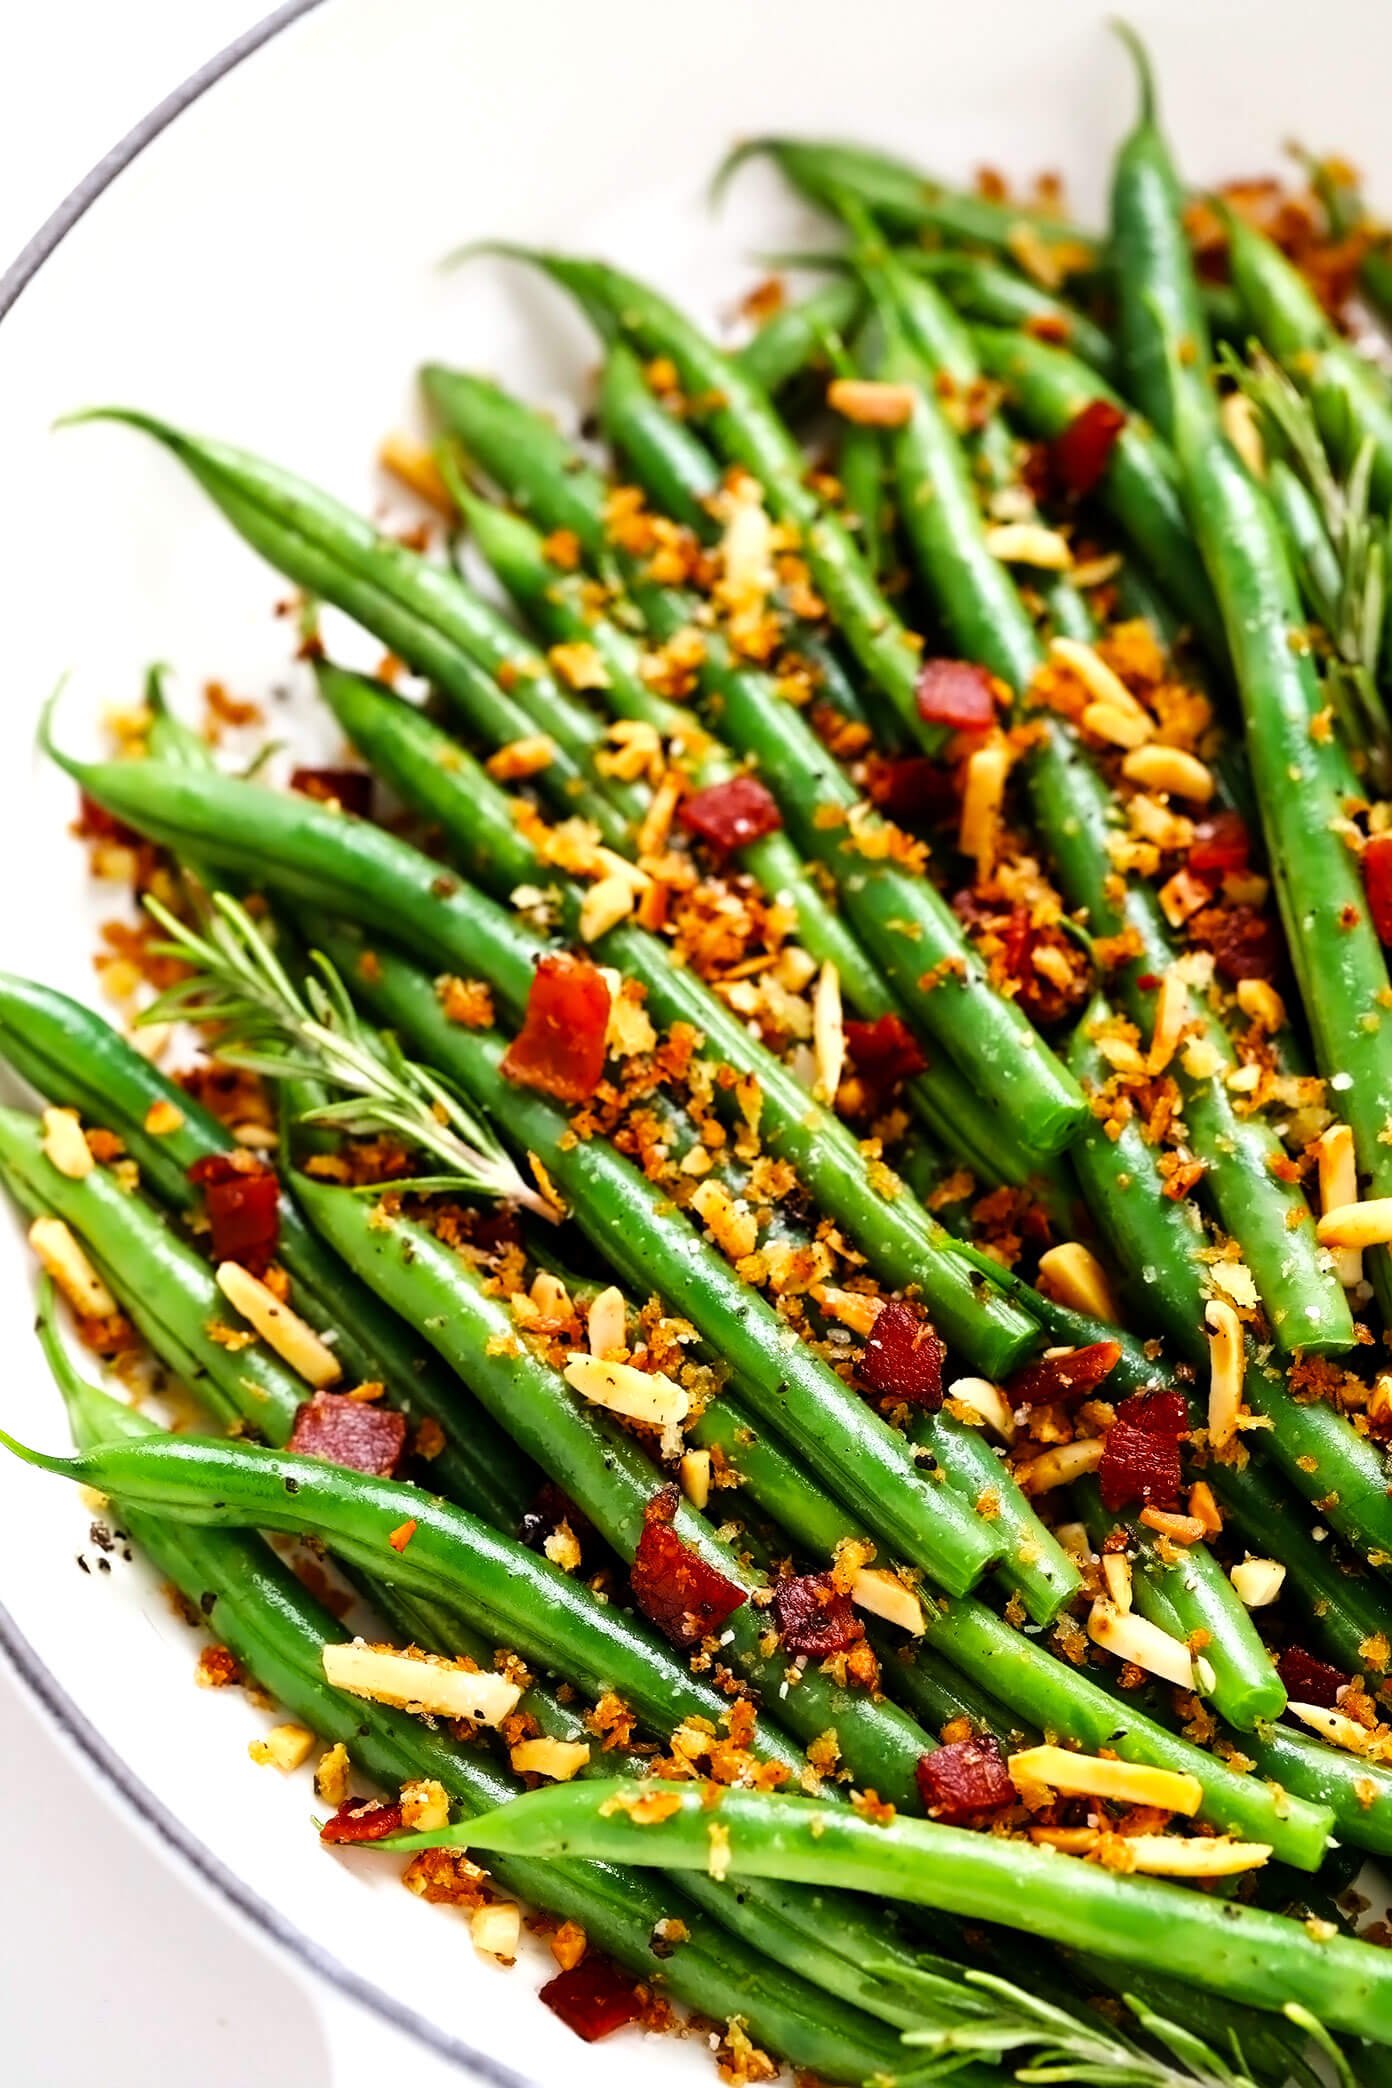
(694, 1471)
(603, 907)
(606, 1325)
(1338, 1187)
(411, 462)
(885, 1595)
(1136, 1639)
(1095, 1776)
(1227, 1365)
(1029, 544)
(1059, 1467)
(419, 1683)
(1102, 683)
(293, 1340)
(1358, 1225)
(983, 795)
(1122, 728)
(1196, 1856)
(1334, 1726)
(987, 1401)
(496, 1930)
(285, 1747)
(828, 1033)
(733, 1226)
(870, 404)
(639, 1395)
(1118, 1579)
(65, 1261)
(1169, 769)
(1204, 1508)
(1075, 1277)
(854, 1309)
(1257, 1581)
(558, 1759)
(1074, 1538)
(64, 1145)
(1180, 1529)
(1260, 1002)
(1239, 419)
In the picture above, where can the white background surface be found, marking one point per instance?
(112, 1967)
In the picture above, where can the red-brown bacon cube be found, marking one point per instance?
(1055, 1378)
(813, 1616)
(965, 1781)
(1079, 456)
(241, 1195)
(361, 1820)
(672, 1585)
(593, 1998)
(352, 1432)
(957, 694)
(732, 814)
(903, 1356)
(1309, 1680)
(559, 1049)
(1140, 1457)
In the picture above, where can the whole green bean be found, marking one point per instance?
(1357, 1790)
(796, 334)
(983, 289)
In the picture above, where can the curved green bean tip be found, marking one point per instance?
(42, 1460)
(738, 156)
(832, 259)
(1145, 72)
(45, 741)
(565, 269)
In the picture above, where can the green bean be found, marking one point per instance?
(796, 334)
(1245, 1953)
(982, 289)
(1357, 1790)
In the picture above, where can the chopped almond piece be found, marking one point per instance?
(857, 1310)
(983, 796)
(1146, 1646)
(870, 404)
(424, 1806)
(732, 1224)
(828, 1033)
(496, 1930)
(1029, 544)
(1169, 769)
(293, 1340)
(163, 1117)
(1180, 1529)
(694, 1471)
(1061, 1466)
(1095, 1776)
(558, 1759)
(885, 1595)
(639, 1395)
(1257, 1581)
(1227, 1366)
(1121, 728)
(603, 907)
(1204, 1508)
(419, 1682)
(1261, 1003)
(987, 1402)
(64, 1145)
(1334, 1726)
(411, 462)
(606, 1325)
(1103, 684)
(1073, 1275)
(1357, 1225)
(285, 1747)
(331, 1776)
(1117, 1575)
(579, 665)
(521, 758)
(1338, 1187)
(65, 1261)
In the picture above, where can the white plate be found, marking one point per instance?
(265, 270)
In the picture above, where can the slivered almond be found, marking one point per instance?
(1257, 1581)
(870, 404)
(1029, 544)
(1095, 1776)
(639, 1395)
(694, 1471)
(1145, 1645)
(550, 1296)
(1180, 1529)
(1103, 683)
(828, 1033)
(983, 795)
(1204, 1508)
(1118, 1580)
(657, 820)
(1059, 1467)
(285, 1747)
(1357, 1225)
(1073, 1275)
(419, 1682)
(1334, 1726)
(66, 1262)
(606, 1325)
(64, 1145)
(885, 1595)
(558, 1759)
(988, 1402)
(1239, 419)
(1261, 1003)
(1196, 1856)
(1338, 1187)
(1121, 728)
(411, 462)
(1227, 1365)
(293, 1340)
(1075, 1541)
(603, 907)
(1169, 769)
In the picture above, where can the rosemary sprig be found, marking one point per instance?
(284, 1032)
(1066, 2047)
(1346, 587)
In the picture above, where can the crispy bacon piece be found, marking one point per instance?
(241, 1195)
(1221, 846)
(1244, 942)
(560, 1046)
(351, 788)
(731, 815)
(362, 1820)
(1140, 1458)
(1308, 1679)
(965, 1779)
(1079, 456)
(956, 693)
(352, 1432)
(1377, 883)
(672, 1585)
(913, 789)
(593, 1998)
(884, 1053)
(903, 1356)
(813, 1616)
(1055, 1378)
(95, 823)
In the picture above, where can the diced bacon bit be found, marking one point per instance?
(64, 1145)
(1140, 1458)
(1081, 453)
(560, 1048)
(1073, 1275)
(983, 798)
(1067, 1374)
(869, 403)
(345, 1431)
(965, 1780)
(828, 1033)
(1221, 847)
(420, 1682)
(1062, 1466)
(1309, 1680)
(904, 1357)
(814, 1617)
(292, 1338)
(673, 1586)
(95, 823)
(1338, 1185)
(1377, 883)
(1097, 1776)
(559, 1760)
(956, 694)
(1357, 1225)
(730, 815)
(349, 789)
(888, 1597)
(1029, 544)
(361, 1820)
(1145, 1645)
(1257, 1581)
(1227, 1364)
(987, 1402)
(1243, 941)
(241, 1195)
(593, 1998)
(65, 1261)
(411, 462)
(883, 1053)
(913, 789)
(1171, 770)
